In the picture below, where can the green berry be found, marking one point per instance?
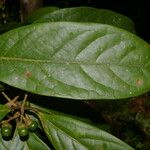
(6, 130)
(32, 125)
(22, 130)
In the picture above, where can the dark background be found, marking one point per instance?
(138, 11)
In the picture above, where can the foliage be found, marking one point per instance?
(4, 110)
(78, 53)
(78, 14)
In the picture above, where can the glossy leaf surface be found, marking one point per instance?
(89, 14)
(33, 143)
(75, 60)
(68, 133)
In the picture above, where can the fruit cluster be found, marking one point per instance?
(18, 119)
(22, 128)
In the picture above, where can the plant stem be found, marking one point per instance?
(7, 98)
(22, 106)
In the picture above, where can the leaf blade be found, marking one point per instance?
(67, 133)
(89, 14)
(4, 110)
(75, 60)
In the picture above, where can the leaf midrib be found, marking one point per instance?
(67, 62)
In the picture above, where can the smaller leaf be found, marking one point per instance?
(4, 110)
(88, 14)
(33, 143)
(40, 13)
(68, 133)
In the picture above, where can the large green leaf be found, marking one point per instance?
(33, 143)
(67, 133)
(4, 110)
(39, 13)
(89, 14)
(75, 60)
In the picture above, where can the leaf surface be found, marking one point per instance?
(89, 14)
(33, 143)
(4, 110)
(66, 133)
(75, 60)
